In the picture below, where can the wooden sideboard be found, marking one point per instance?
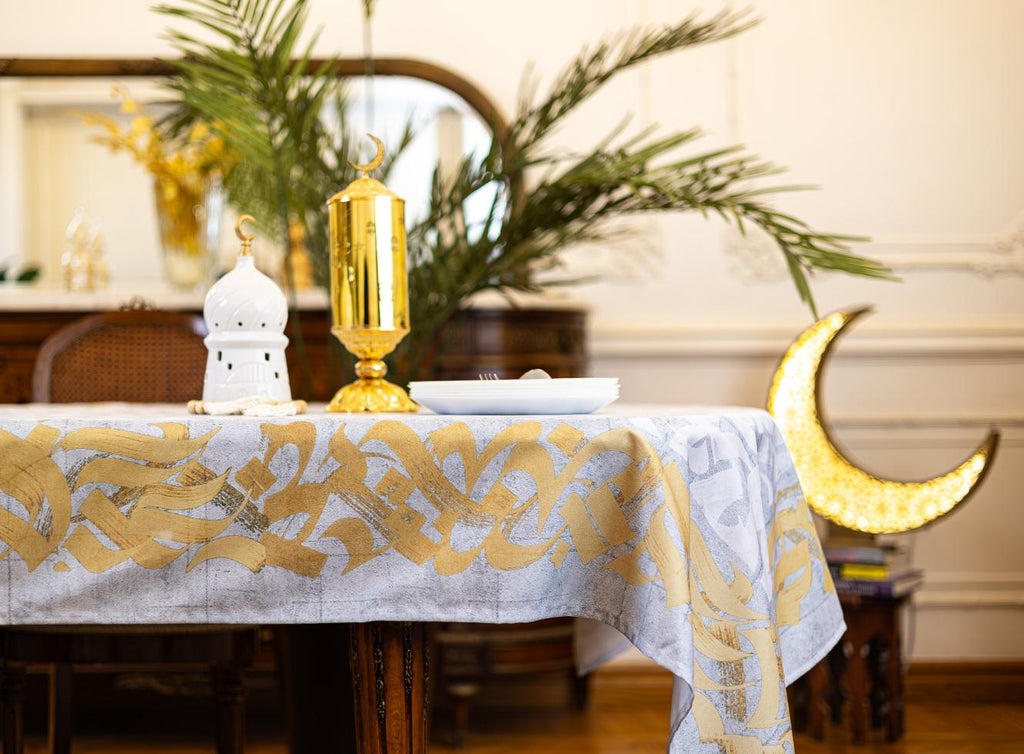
(503, 341)
(23, 332)
(509, 342)
(29, 315)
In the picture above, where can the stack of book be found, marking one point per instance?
(872, 571)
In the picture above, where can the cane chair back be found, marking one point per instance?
(132, 356)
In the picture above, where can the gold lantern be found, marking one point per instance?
(369, 287)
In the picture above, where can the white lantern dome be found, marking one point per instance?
(245, 300)
(245, 313)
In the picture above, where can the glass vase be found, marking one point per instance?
(189, 224)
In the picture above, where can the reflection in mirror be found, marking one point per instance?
(51, 167)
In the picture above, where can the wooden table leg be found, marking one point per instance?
(12, 707)
(894, 680)
(858, 683)
(817, 684)
(229, 698)
(389, 683)
(61, 690)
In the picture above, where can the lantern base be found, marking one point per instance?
(372, 395)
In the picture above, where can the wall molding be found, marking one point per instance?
(647, 339)
(962, 600)
(910, 421)
(754, 257)
(971, 590)
(924, 432)
(973, 579)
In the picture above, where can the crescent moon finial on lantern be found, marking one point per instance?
(245, 238)
(375, 162)
(835, 487)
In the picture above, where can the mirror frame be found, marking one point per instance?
(87, 67)
(137, 67)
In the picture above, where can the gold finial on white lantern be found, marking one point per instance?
(245, 238)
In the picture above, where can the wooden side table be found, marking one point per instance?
(863, 670)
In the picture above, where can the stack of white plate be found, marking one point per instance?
(571, 395)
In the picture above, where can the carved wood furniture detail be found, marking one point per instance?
(862, 675)
(390, 668)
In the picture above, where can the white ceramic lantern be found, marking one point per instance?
(245, 313)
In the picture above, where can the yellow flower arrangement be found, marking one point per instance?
(181, 170)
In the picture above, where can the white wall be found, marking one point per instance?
(907, 113)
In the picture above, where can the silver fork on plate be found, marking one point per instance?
(488, 376)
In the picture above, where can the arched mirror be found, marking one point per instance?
(52, 168)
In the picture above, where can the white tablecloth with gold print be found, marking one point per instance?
(684, 529)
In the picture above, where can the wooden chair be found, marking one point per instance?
(135, 356)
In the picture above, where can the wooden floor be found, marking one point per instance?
(627, 715)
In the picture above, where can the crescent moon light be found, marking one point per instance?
(835, 488)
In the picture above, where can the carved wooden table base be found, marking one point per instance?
(390, 672)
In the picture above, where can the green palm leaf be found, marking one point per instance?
(254, 82)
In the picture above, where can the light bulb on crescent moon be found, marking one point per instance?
(835, 487)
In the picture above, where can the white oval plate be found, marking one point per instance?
(562, 403)
(518, 386)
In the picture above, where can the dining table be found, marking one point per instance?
(681, 531)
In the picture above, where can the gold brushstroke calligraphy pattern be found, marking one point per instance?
(524, 495)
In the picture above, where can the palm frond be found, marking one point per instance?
(595, 66)
(577, 196)
(254, 83)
